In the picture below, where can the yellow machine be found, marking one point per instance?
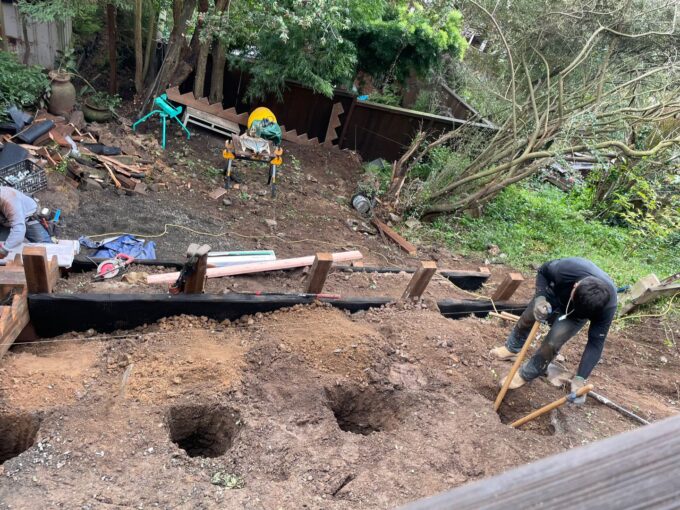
(251, 147)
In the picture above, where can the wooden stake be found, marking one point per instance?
(508, 287)
(319, 272)
(41, 275)
(515, 366)
(195, 282)
(553, 405)
(420, 280)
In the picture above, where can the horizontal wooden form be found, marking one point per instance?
(55, 314)
(508, 287)
(258, 267)
(420, 280)
(392, 234)
(637, 469)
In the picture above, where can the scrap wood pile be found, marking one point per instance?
(91, 155)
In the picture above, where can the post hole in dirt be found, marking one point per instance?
(17, 434)
(203, 430)
(363, 411)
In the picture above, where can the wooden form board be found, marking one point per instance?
(392, 234)
(257, 267)
(636, 469)
(420, 280)
(319, 272)
(508, 287)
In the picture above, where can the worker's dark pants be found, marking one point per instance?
(560, 333)
(35, 233)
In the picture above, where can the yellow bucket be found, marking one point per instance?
(261, 113)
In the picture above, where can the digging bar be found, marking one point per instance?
(520, 357)
(604, 400)
(553, 405)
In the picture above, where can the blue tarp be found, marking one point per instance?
(127, 244)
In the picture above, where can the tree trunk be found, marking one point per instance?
(112, 36)
(217, 78)
(203, 7)
(168, 74)
(204, 50)
(139, 51)
(150, 40)
(3, 34)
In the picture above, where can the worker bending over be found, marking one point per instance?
(18, 220)
(569, 292)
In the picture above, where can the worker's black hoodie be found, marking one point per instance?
(555, 281)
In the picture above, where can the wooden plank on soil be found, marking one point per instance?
(420, 280)
(392, 234)
(318, 273)
(508, 287)
(636, 469)
(257, 267)
(217, 193)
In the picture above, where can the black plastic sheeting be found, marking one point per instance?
(56, 314)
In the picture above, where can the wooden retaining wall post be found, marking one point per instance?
(508, 287)
(420, 280)
(41, 274)
(318, 273)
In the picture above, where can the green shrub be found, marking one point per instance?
(19, 84)
(536, 223)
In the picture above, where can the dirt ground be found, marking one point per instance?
(302, 408)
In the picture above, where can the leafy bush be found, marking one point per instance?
(533, 224)
(19, 84)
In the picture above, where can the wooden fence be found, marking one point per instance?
(372, 130)
(637, 469)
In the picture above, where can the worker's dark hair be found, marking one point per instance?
(591, 296)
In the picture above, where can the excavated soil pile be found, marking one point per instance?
(302, 408)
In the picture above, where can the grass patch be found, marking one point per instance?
(535, 224)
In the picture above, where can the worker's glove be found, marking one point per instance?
(576, 384)
(542, 309)
(3, 251)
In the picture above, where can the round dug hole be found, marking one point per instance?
(203, 430)
(17, 434)
(363, 411)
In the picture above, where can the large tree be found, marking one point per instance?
(568, 77)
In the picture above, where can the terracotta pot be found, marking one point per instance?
(63, 96)
(94, 113)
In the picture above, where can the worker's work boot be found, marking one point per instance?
(576, 384)
(502, 353)
(517, 381)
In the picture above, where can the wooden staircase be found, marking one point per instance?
(230, 114)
